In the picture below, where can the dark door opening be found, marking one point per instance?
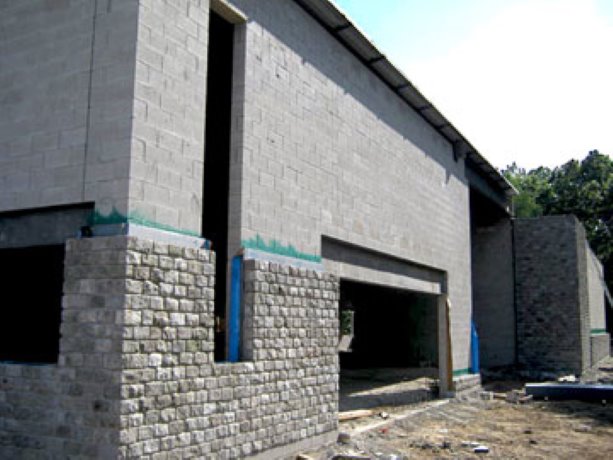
(217, 163)
(394, 350)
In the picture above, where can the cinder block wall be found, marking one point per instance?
(600, 340)
(136, 377)
(493, 293)
(329, 149)
(104, 101)
(167, 139)
(552, 294)
(66, 74)
(45, 53)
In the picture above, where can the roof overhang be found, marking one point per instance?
(340, 26)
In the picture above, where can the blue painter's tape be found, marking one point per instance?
(474, 349)
(234, 329)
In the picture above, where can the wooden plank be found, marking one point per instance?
(354, 414)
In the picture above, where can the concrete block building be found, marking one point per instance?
(543, 309)
(193, 192)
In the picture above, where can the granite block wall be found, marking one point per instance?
(136, 377)
(71, 409)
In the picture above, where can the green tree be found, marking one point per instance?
(583, 188)
(532, 186)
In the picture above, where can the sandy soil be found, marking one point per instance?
(450, 429)
(539, 430)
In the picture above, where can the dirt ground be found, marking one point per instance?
(452, 429)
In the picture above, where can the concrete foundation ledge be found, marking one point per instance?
(467, 386)
(289, 451)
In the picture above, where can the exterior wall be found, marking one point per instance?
(169, 114)
(136, 377)
(111, 100)
(595, 280)
(551, 289)
(45, 59)
(67, 72)
(329, 150)
(600, 347)
(600, 340)
(493, 293)
(104, 102)
(72, 408)
(179, 401)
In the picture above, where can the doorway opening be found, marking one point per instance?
(217, 164)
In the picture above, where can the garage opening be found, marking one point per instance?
(389, 346)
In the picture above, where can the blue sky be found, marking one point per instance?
(524, 80)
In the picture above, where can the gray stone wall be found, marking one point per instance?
(552, 310)
(136, 378)
(72, 408)
(179, 401)
(329, 149)
(493, 293)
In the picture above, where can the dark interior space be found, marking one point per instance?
(393, 328)
(217, 163)
(393, 357)
(32, 281)
(483, 211)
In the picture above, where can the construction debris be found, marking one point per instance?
(565, 391)
(304, 457)
(481, 449)
(354, 414)
(350, 457)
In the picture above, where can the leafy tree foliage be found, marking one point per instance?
(583, 188)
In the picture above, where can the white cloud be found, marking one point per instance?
(534, 84)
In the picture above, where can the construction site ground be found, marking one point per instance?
(454, 428)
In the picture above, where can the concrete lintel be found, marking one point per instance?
(229, 12)
(382, 278)
(256, 254)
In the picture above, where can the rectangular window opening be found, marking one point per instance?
(217, 165)
(32, 281)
